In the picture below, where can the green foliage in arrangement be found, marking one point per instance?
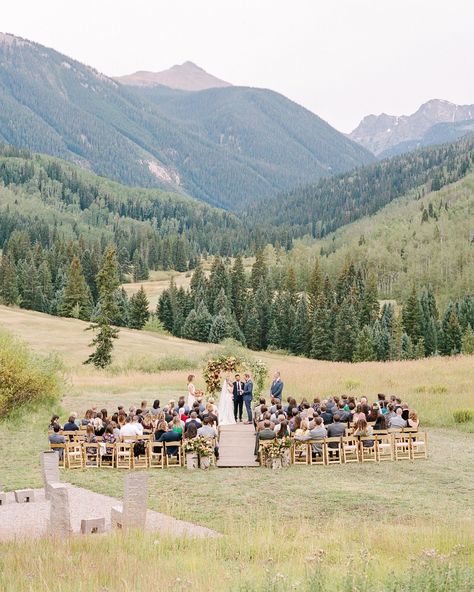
(26, 379)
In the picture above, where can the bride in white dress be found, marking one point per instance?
(225, 409)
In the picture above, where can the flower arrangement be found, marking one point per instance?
(213, 369)
(277, 448)
(200, 445)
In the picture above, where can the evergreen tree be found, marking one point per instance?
(381, 341)
(29, 286)
(90, 266)
(467, 342)
(138, 310)
(46, 286)
(8, 282)
(259, 271)
(420, 349)
(291, 285)
(412, 317)
(252, 329)
(407, 348)
(181, 256)
(239, 288)
(222, 327)
(370, 307)
(315, 288)
(190, 326)
(452, 334)
(164, 311)
(107, 282)
(218, 279)
(274, 336)
(346, 331)
(300, 336)
(198, 286)
(76, 298)
(122, 318)
(203, 323)
(364, 350)
(322, 339)
(263, 306)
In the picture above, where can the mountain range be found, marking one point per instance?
(187, 76)
(436, 121)
(225, 146)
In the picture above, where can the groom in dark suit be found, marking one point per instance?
(238, 397)
(248, 396)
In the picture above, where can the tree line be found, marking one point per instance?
(341, 321)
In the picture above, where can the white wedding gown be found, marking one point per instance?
(225, 408)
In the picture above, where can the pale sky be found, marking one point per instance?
(342, 59)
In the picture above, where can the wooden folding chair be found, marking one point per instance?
(350, 449)
(401, 446)
(74, 455)
(140, 461)
(91, 454)
(332, 450)
(316, 452)
(262, 444)
(107, 454)
(384, 445)
(156, 455)
(367, 449)
(123, 455)
(419, 445)
(173, 460)
(301, 453)
(62, 456)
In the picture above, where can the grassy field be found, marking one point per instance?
(394, 526)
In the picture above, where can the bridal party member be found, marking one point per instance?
(276, 390)
(191, 391)
(248, 396)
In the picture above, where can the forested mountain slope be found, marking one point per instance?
(422, 240)
(55, 105)
(322, 207)
(47, 200)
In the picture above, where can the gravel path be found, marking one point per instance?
(19, 521)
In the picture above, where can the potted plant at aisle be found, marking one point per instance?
(205, 450)
(190, 450)
(277, 453)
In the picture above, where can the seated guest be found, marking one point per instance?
(359, 414)
(54, 422)
(207, 431)
(209, 412)
(295, 422)
(115, 429)
(344, 416)
(144, 408)
(147, 423)
(266, 434)
(319, 432)
(191, 431)
(137, 425)
(181, 403)
(156, 407)
(364, 430)
(281, 429)
(130, 428)
(177, 425)
(57, 438)
(390, 412)
(90, 438)
(161, 429)
(212, 402)
(302, 433)
(397, 420)
(374, 412)
(325, 415)
(316, 404)
(336, 430)
(71, 425)
(88, 417)
(193, 419)
(97, 424)
(258, 409)
(405, 411)
(105, 416)
(109, 437)
(380, 423)
(413, 421)
(170, 436)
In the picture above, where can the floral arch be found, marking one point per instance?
(231, 364)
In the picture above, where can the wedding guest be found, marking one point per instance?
(276, 388)
(170, 436)
(70, 425)
(413, 421)
(177, 425)
(193, 419)
(364, 430)
(325, 415)
(130, 428)
(266, 434)
(88, 417)
(281, 429)
(397, 421)
(207, 431)
(302, 433)
(380, 423)
(336, 430)
(57, 438)
(147, 423)
(191, 431)
(359, 414)
(90, 438)
(54, 422)
(156, 407)
(318, 433)
(161, 429)
(374, 412)
(138, 426)
(97, 424)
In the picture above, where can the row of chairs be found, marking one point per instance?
(380, 447)
(119, 455)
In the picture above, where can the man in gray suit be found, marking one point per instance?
(319, 432)
(266, 434)
(248, 396)
(336, 430)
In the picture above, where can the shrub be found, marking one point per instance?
(154, 325)
(463, 415)
(26, 379)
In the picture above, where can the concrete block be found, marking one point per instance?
(92, 525)
(60, 516)
(50, 469)
(23, 496)
(133, 511)
(3, 498)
